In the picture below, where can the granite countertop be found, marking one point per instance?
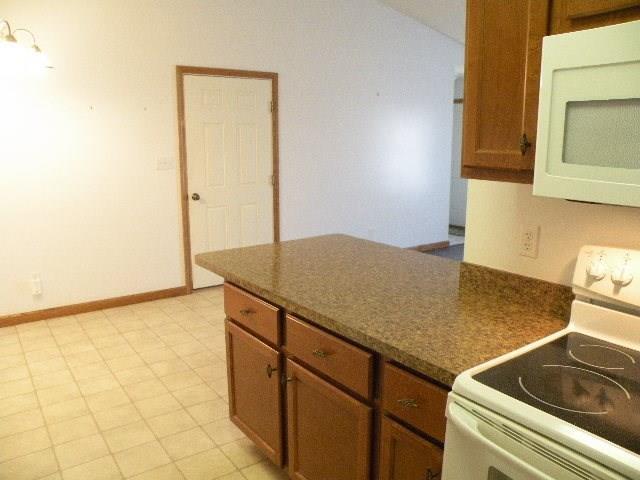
(434, 315)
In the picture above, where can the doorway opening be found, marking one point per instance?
(458, 191)
(458, 185)
(229, 182)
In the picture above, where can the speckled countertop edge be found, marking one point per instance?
(522, 295)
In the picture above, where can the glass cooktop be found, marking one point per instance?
(585, 381)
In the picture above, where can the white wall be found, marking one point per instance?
(497, 211)
(365, 109)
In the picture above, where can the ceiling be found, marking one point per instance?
(445, 16)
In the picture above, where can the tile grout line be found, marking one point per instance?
(132, 403)
(91, 412)
(121, 386)
(46, 424)
(144, 419)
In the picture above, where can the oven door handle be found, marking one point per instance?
(467, 423)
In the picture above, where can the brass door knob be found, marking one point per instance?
(195, 196)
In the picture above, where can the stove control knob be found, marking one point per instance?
(597, 269)
(622, 276)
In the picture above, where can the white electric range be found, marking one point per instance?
(566, 407)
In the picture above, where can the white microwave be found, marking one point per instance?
(588, 140)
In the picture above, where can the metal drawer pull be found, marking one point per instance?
(431, 475)
(408, 402)
(270, 370)
(320, 353)
(247, 311)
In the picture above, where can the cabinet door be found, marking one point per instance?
(329, 431)
(502, 75)
(255, 396)
(406, 456)
(572, 15)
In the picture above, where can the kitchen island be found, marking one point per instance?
(369, 333)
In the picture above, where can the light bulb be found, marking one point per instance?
(14, 58)
(17, 60)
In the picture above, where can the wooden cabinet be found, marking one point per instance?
(502, 74)
(255, 397)
(571, 15)
(407, 456)
(329, 432)
(334, 390)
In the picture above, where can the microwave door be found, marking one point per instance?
(588, 140)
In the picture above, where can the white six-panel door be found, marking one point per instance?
(229, 165)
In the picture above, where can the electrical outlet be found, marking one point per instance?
(529, 239)
(36, 285)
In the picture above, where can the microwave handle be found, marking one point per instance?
(461, 419)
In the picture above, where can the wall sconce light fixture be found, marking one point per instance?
(17, 55)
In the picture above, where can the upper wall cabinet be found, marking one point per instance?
(571, 15)
(502, 75)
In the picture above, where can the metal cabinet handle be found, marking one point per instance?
(195, 197)
(525, 144)
(408, 402)
(320, 353)
(431, 475)
(270, 370)
(286, 379)
(247, 311)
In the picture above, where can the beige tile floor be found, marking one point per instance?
(135, 392)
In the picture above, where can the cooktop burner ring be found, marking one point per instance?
(587, 345)
(602, 412)
(524, 389)
(586, 397)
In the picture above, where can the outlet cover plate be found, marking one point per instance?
(529, 241)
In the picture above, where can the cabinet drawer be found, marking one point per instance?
(415, 401)
(256, 315)
(339, 360)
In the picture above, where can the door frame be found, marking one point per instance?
(181, 71)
